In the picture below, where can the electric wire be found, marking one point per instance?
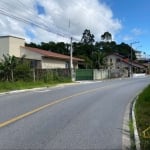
(4, 10)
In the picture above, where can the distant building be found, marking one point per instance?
(138, 55)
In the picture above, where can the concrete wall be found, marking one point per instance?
(138, 75)
(109, 73)
(14, 46)
(10, 45)
(30, 54)
(4, 46)
(100, 74)
(49, 63)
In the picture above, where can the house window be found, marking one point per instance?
(66, 65)
(118, 60)
(33, 64)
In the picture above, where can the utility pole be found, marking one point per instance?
(131, 66)
(71, 61)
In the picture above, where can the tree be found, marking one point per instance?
(87, 37)
(8, 65)
(59, 47)
(99, 61)
(88, 64)
(106, 37)
(32, 45)
(106, 47)
(125, 50)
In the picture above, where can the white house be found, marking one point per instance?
(39, 58)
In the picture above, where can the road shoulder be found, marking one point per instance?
(126, 143)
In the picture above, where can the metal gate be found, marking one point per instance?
(84, 74)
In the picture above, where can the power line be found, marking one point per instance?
(4, 10)
(28, 21)
(42, 25)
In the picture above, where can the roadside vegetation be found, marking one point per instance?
(19, 85)
(142, 113)
(16, 74)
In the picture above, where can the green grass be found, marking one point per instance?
(142, 113)
(9, 86)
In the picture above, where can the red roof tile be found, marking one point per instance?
(52, 54)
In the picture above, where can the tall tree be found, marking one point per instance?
(106, 37)
(87, 37)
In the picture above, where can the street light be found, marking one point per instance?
(131, 67)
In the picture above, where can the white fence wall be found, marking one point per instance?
(107, 74)
(100, 74)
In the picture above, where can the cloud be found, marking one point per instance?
(137, 31)
(127, 38)
(54, 16)
(133, 35)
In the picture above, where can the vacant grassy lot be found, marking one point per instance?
(142, 113)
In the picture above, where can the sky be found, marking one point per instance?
(57, 20)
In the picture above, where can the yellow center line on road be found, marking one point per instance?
(12, 120)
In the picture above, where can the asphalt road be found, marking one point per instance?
(86, 115)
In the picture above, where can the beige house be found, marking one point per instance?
(116, 61)
(39, 58)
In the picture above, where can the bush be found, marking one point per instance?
(48, 77)
(23, 72)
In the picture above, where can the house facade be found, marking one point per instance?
(38, 58)
(120, 63)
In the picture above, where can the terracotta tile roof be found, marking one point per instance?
(52, 54)
(128, 61)
(135, 64)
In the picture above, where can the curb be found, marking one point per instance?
(126, 142)
(21, 91)
(136, 136)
